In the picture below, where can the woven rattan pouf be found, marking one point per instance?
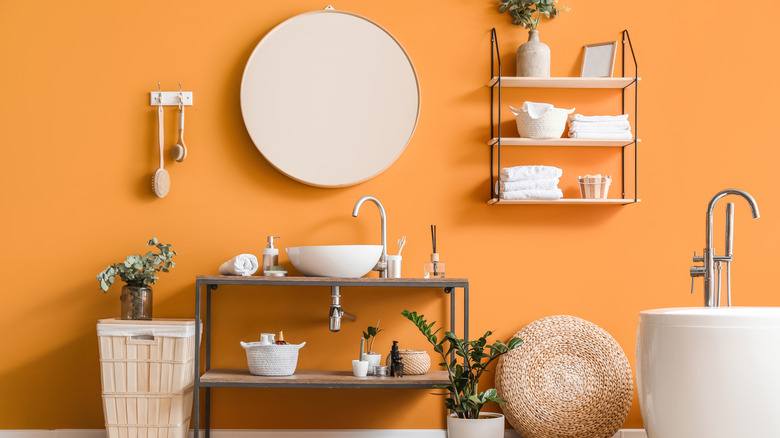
(569, 378)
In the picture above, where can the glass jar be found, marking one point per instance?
(136, 301)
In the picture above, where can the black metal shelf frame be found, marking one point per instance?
(495, 110)
(212, 282)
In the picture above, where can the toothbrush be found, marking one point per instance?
(401, 243)
(362, 346)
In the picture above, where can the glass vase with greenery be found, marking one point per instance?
(138, 272)
(464, 371)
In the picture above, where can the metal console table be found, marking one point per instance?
(215, 378)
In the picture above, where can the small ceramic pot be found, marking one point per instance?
(359, 368)
(373, 361)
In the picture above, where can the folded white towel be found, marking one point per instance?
(533, 194)
(529, 184)
(607, 135)
(621, 125)
(581, 118)
(519, 173)
(242, 264)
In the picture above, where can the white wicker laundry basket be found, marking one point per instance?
(551, 124)
(272, 359)
(147, 373)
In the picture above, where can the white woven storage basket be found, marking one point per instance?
(550, 125)
(272, 360)
(147, 373)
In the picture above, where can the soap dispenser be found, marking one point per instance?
(270, 254)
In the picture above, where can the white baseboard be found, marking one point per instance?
(288, 433)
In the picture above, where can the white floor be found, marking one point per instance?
(235, 433)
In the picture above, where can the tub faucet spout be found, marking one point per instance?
(711, 299)
(381, 266)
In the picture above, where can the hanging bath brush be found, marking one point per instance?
(180, 149)
(161, 182)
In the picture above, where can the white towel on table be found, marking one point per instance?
(606, 135)
(622, 125)
(581, 118)
(530, 184)
(242, 264)
(533, 194)
(519, 173)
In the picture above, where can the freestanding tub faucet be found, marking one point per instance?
(381, 266)
(711, 299)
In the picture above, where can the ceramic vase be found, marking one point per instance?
(533, 57)
(136, 301)
(488, 425)
(359, 368)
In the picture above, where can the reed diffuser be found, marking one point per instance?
(434, 268)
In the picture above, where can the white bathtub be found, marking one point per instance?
(709, 372)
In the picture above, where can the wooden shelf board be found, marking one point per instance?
(318, 379)
(563, 82)
(570, 142)
(564, 201)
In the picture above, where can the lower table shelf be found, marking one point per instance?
(318, 379)
(570, 201)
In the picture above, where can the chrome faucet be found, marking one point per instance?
(381, 266)
(711, 299)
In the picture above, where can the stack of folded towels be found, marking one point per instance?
(529, 182)
(600, 127)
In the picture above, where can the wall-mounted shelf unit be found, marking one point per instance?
(497, 141)
(241, 378)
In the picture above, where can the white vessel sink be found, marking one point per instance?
(350, 261)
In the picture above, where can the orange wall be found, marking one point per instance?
(78, 147)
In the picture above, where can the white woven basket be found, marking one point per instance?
(272, 360)
(550, 125)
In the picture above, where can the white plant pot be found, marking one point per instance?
(359, 368)
(489, 425)
(373, 361)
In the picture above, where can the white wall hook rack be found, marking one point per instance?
(170, 98)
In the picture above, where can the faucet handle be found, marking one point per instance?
(696, 271)
(697, 259)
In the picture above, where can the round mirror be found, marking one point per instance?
(330, 98)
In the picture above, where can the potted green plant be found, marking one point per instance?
(464, 371)
(138, 272)
(373, 358)
(533, 57)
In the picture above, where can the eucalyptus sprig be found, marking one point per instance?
(370, 335)
(138, 268)
(528, 13)
(464, 398)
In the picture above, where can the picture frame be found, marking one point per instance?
(598, 60)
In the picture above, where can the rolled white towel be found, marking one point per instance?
(242, 264)
(607, 135)
(581, 118)
(622, 125)
(519, 173)
(533, 194)
(530, 184)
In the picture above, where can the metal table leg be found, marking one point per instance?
(196, 387)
